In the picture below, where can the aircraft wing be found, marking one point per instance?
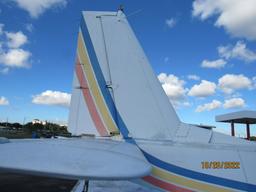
(91, 159)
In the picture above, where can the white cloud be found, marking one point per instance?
(238, 17)
(50, 97)
(37, 7)
(215, 104)
(239, 51)
(230, 82)
(4, 101)
(234, 103)
(15, 40)
(217, 64)
(15, 58)
(193, 77)
(170, 22)
(173, 87)
(204, 89)
(11, 53)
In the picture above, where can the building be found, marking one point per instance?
(37, 121)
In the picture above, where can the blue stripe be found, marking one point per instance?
(101, 80)
(124, 131)
(199, 176)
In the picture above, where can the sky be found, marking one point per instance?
(203, 52)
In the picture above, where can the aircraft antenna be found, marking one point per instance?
(134, 13)
(121, 8)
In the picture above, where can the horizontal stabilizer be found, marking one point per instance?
(91, 159)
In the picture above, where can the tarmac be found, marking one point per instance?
(13, 182)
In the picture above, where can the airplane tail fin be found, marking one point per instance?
(115, 89)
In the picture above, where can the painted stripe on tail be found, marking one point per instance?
(89, 101)
(94, 87)
(85, 36)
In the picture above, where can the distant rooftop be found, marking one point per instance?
(243, 117)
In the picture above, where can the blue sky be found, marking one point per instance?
(203, 52)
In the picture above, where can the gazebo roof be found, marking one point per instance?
(242, 117)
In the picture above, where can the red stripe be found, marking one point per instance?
(89, 101)
(164, 185)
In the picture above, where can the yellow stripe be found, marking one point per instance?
(182, 181)
(101, 105)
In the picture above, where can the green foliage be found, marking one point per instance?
(48, 130)
(11, 125)
(252, 138)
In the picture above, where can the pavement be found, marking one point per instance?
(13, 182)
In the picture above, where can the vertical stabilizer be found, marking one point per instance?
(116, 84)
